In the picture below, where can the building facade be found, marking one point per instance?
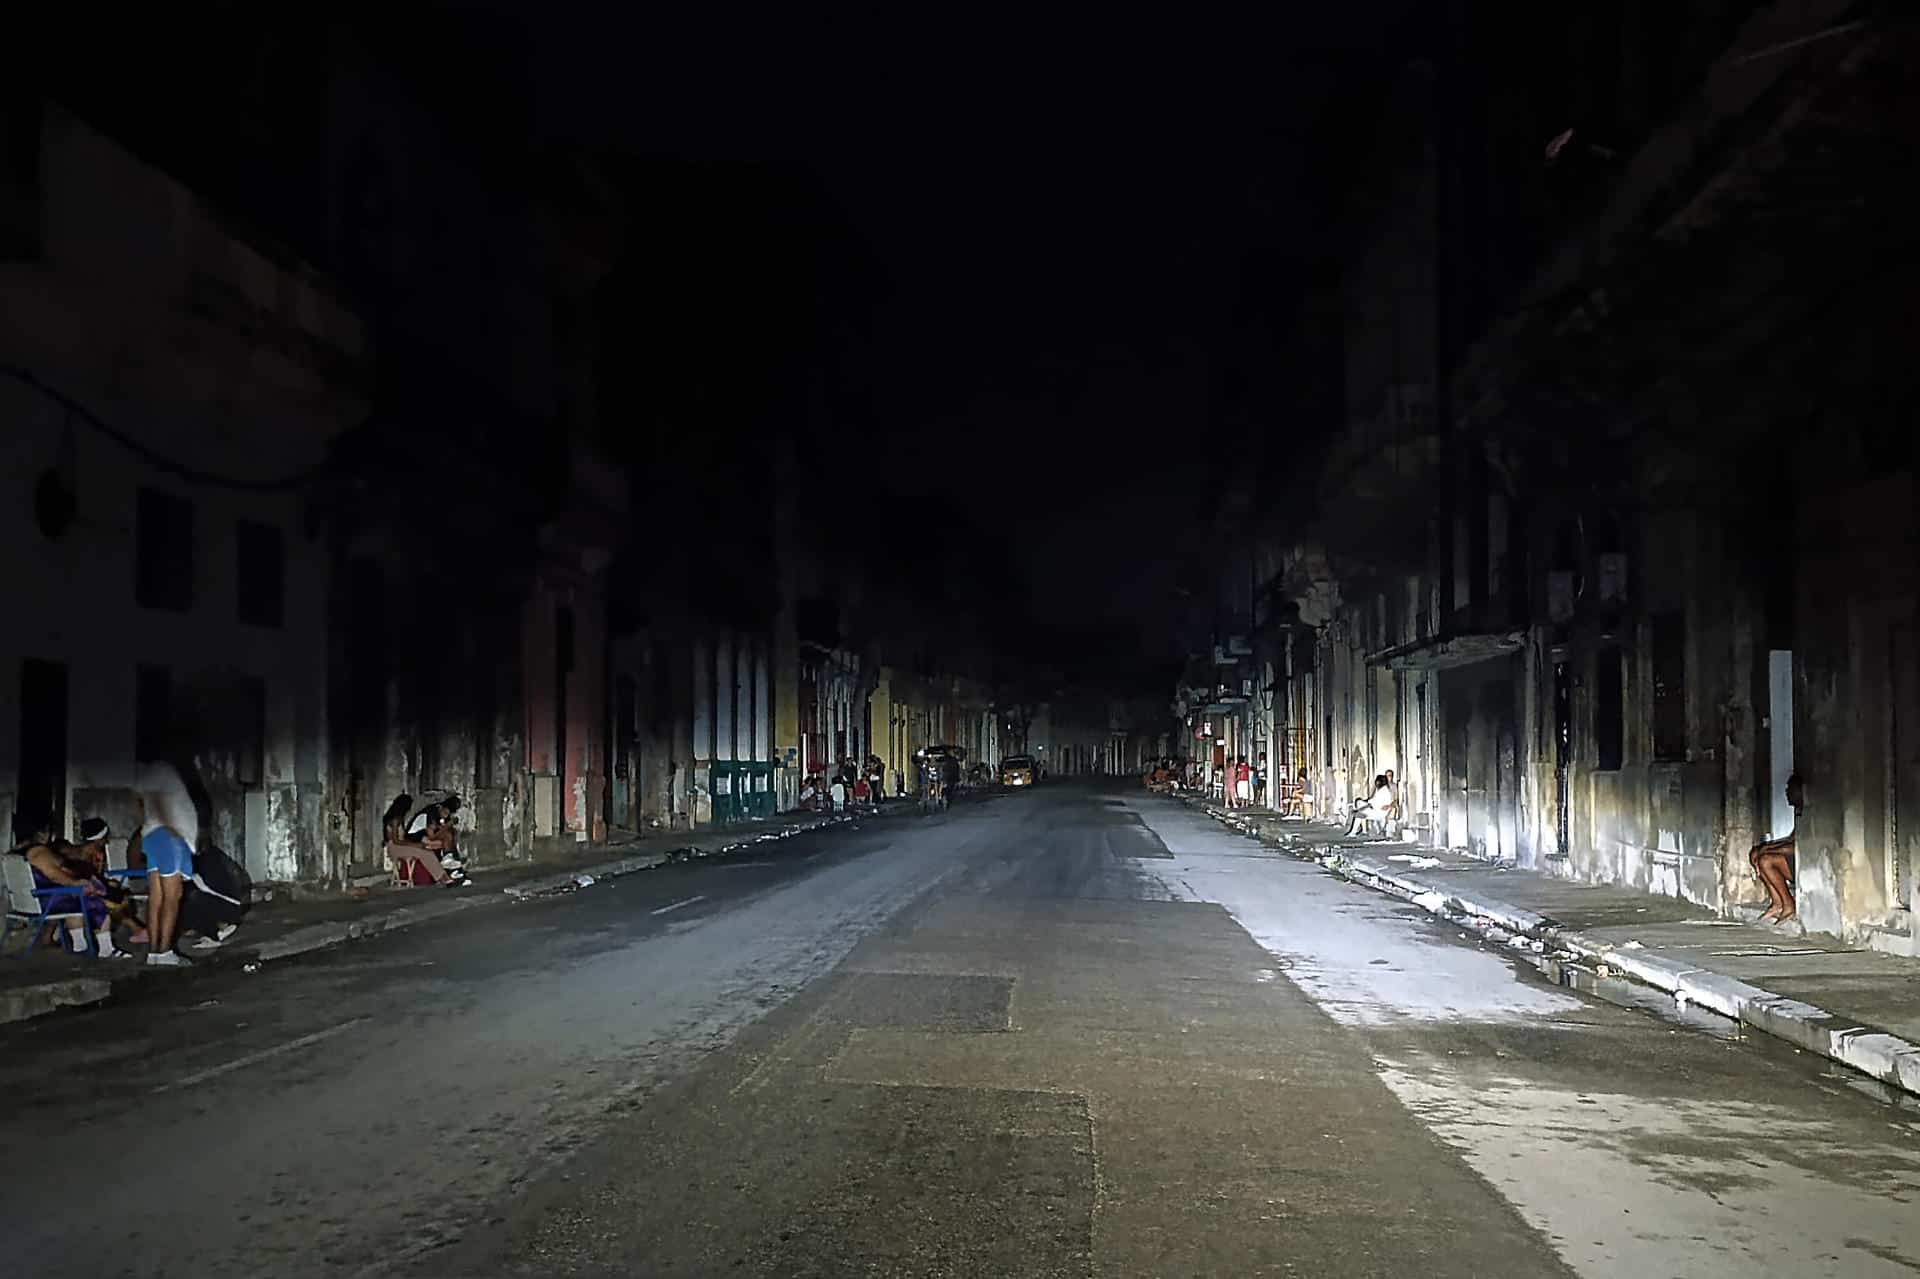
(170, 386)
(1648, 550)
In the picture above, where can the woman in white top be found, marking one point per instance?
(1374, 809)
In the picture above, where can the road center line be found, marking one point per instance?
(677, 905)
(214, 1072)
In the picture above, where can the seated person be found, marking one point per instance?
(54, 866)
(434, 828)
(122, 910)
(1374, 810)
(1772, 862)
(419, 863)
(211, 909)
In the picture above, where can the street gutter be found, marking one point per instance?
(1871, 1050)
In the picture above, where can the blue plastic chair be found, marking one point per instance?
(37, 907)
(117, 869)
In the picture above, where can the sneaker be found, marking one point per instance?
(199, 944)
(168, 959)
(226, 931)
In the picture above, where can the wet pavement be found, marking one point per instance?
(1851, 1004)
(1639, 1142)
(1068, 1032)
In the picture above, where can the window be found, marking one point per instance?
(1670, 686)
(261, 573)
(250, 731)
(562, 669)
(163, 551)
(482, 708)
(625, 710)
(152, 713)
(1609, 710)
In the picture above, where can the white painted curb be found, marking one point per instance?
(1892, 1060)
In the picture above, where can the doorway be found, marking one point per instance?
(1903, 773)
(1562, 755)
(43, 744)
(621, 795)
(1779, 742)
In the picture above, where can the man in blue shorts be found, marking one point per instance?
(168, 827)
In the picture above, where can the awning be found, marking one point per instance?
(1439, 652)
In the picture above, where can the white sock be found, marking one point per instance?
(104, 936)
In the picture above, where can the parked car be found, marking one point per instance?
(1018, 770)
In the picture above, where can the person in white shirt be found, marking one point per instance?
(1374, 809)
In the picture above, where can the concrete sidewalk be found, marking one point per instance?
(280, 928)
(1852, 1005)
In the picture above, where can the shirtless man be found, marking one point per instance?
(1772, 862)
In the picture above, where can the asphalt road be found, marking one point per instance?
(1062, 1033)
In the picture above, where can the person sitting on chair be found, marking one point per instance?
(434, 829)
(56, 865)
(1374, 809)
(1773, 862)
(122, 910)
(410, 858)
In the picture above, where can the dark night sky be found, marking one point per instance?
(1083, 239)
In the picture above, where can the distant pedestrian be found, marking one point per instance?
(1242, 783)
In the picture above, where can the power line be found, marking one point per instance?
(152, 457)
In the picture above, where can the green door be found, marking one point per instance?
(742, 790)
